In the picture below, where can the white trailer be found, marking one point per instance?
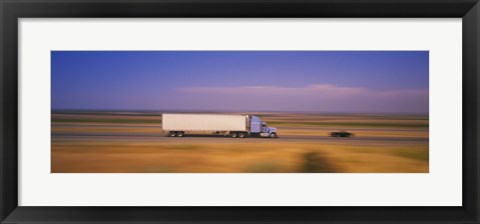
(176, 125)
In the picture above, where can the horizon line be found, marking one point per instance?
(231, 111)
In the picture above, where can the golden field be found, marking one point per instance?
(116, 142)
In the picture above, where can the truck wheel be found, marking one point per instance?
(233, 134)
(180, 134)
(241, 135)
(172, 134)
(273, 135)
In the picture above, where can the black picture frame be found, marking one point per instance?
(12, 10)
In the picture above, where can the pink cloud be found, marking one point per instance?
(316, 97)
(310, 89)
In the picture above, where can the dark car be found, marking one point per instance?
(341, 134)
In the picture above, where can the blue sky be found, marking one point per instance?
(313, 81)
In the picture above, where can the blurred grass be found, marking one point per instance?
(417, 153)
(256, 157)
(186, 147)
(422, 155)
(317, 162)
(263, 167)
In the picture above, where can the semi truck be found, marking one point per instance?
(235, 126)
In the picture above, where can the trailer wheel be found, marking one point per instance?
(180, 134)
(172, 134)
(233, 134)
(241, 134)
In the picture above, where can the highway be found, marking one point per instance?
(146, 137)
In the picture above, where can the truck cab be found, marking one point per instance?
(260, 128)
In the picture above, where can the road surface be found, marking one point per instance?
(65, 137)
